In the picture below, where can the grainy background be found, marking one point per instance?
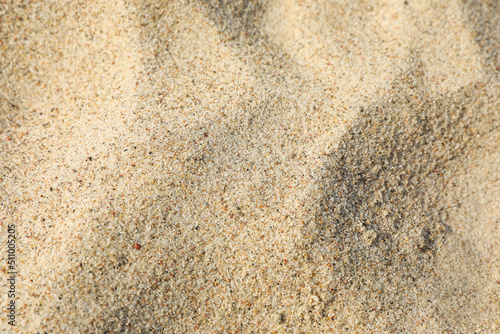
(285, 166)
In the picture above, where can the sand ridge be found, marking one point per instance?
(286, 166)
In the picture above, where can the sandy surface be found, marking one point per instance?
(251, 166)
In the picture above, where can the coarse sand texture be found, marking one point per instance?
(218, 166)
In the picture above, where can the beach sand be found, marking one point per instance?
(255, 166)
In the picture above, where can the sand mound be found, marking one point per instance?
(251, 166)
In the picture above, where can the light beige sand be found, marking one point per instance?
(285, 166)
